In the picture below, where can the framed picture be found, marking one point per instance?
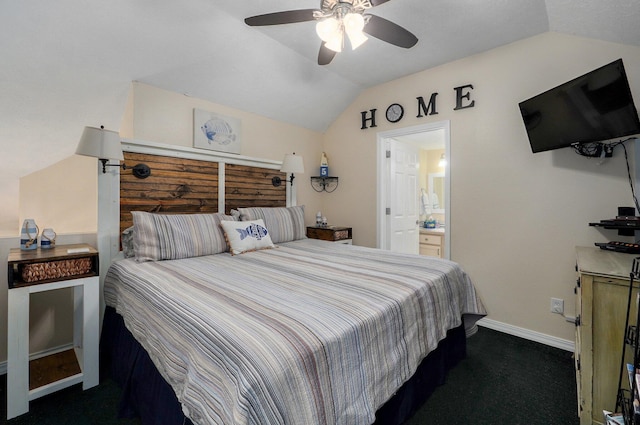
(216, 131)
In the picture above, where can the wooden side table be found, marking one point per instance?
(331, 233)
(45, 270)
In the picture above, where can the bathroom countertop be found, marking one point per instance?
(434, 230)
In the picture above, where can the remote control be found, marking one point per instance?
(617, 246)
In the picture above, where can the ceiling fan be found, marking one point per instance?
(337, 17)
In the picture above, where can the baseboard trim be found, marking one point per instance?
(563, 344)
(40, 354)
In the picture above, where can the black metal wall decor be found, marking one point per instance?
(324, 184)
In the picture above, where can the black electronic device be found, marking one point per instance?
(618, 246)
(626, 225)
(594, 107)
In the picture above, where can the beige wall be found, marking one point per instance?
(429, 160)
(429, 163)
(63, 196)
(434, 167)
(167, 117)
(515, 216)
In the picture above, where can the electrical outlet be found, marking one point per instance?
(557, 305)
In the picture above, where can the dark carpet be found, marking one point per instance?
(503, 380)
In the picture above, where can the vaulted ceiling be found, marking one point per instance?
(70, 61)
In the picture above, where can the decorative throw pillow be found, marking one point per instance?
(284, 224)
(174, 236)
(245, 236)
(127, 243)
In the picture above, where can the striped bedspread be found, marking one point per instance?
(310, 332)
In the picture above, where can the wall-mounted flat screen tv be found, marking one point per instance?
(594, 107)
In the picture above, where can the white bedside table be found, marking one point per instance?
(81, 367)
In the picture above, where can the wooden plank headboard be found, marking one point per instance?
(251, 187)
(181, 185)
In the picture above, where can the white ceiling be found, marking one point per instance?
(68, 63)
(273, 71)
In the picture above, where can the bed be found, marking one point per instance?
(203, 329)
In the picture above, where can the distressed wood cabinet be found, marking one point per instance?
(602, 291)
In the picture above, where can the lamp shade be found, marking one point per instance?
(326, 28)
(353, 22)
(100, 143)
(353, 25)
(292, 164)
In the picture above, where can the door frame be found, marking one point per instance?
(382, 222)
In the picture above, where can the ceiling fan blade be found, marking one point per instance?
(325, 55)
(375, 3)
(277, 18)
(388, 31)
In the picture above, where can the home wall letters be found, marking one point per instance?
(395, 112)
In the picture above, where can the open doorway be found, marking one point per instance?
(433, 137)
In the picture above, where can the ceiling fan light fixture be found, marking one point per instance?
(353, 22)
(335, 43)
(357, 38)
(353, 25)
(327, 28)
(334, 19)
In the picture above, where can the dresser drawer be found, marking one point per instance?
(431, 239)
(430, 250)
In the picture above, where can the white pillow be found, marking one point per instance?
(245, 236)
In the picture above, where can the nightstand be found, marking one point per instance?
(331, 233)
(40, 270)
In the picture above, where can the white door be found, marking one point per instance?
(426, 137)
(404, 210)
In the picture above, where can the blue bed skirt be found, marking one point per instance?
(146, 395)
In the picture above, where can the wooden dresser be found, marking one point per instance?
(602, 291)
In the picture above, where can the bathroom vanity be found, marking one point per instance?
(432, 242)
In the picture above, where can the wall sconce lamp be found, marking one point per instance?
(442, 162)
(141, 171)
(105, 145)
(290, 164)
